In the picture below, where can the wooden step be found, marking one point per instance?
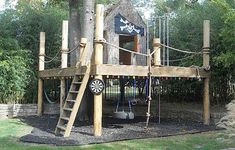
(77, 82)
(73, 92)
(71, 100)
(61, 127)
(68, 109)
(64, 118)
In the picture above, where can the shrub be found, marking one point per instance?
(15, 75)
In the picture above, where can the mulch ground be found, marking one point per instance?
(113, 130)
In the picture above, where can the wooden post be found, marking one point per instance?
(157, 54)
(64, 62)
(148, 58)
(41, 66)
(206, 65)
(98, 60)
(83, 52)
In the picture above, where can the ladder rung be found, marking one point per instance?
(77, 82)
(68, 109)
(73, 92)
(64, 118)
(71, 100)
(61, 127)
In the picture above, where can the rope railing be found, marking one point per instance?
(179, 50)
(126, 50)
(180, 59)
(51, 59)
(123, 49)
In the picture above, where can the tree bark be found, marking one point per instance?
(74, 31)
(86, 109)
(88, 25)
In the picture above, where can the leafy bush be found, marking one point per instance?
(19, 44)
(15, 75)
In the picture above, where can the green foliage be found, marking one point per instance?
(19, 44)
(15, 75)
(186, 32)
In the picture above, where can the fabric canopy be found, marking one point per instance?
(123, 26)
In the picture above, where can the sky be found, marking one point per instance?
(1, 4)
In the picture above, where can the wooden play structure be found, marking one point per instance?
(96, 70)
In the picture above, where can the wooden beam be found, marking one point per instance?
(206, 65)
(64, 62)
(191, 72)
(62, 72)
(41, 67)
(128, 70)
(98, 60)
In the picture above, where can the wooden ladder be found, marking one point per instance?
(72, 103)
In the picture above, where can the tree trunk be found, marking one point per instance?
(86, 109)
(88, 25)
(74, 31)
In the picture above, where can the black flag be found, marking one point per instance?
(123, 26)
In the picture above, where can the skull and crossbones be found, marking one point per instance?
(130, 28)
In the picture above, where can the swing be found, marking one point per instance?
(51, 95)
(123, 114)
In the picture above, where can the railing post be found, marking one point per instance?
(64, 62)
(98, 60)
(41, 66)
(157, 54)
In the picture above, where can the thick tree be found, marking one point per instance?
(74, 30)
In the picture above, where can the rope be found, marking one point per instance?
(175, 60)
(198, 72)
(52, 59)
(63, 51)
(70, 51)
(126, 50)
(179, 50)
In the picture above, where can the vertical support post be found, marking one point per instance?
(167, 40)
(41, 66)
(164, 41)
(148, 58)
(98, 60)
(64, 62)
(206, 65)
(157, 54)
(83, 52)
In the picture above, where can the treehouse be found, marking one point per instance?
(120, 50)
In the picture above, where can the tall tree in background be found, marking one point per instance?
(88, 33)
(74, 30)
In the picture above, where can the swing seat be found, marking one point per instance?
(123, 115)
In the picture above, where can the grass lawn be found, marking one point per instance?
(12, 129)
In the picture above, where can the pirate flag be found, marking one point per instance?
(123, 26)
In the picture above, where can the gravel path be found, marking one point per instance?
(113, 130)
